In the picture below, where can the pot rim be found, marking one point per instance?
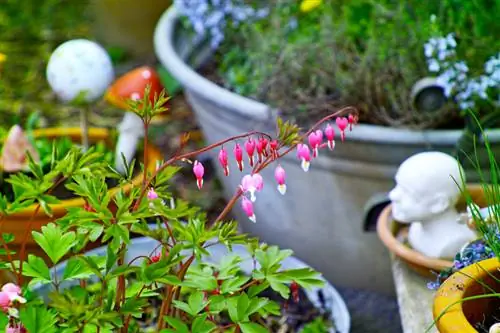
(400, 250)
(95, 134)
(167, 54)
(454, 320)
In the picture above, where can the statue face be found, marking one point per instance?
(407, 205)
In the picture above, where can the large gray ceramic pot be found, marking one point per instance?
(321, 215)
(143, 247)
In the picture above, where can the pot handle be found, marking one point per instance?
(372, 210)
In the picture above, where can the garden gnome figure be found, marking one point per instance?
(425, 196)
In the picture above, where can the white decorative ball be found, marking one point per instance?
(79, 66)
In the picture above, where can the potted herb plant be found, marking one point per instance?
(298, 59)
(186, 275)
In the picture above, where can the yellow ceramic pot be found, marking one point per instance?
(458, 316)
(18, 223)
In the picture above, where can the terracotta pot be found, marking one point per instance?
(460, 317)
(18, 223)
(393, 233)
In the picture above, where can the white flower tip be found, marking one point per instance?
(253, 218)
(200, 183)
(253, 198)
(282, 189)
(331, 145)
(305, 165)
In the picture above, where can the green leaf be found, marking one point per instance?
(111, 258)
(196, 302)
(202, 325)
(252, 328)
(54, 242)
(37, 319)
(134, 306)
(217, 303)
(177, 324)
(76, 269)
(281, 288)
(232, 309)
(7, 238)
(4, 320)
(184, 307)
(242, 305)
(37, 268)
(233, 284)
(123, 270)
(257, 289)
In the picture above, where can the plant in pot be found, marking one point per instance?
(33, 196)
(169, 281)
(467, 294)
(242, 65)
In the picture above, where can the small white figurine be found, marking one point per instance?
(425, 196)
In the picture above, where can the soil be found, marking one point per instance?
(489, 319)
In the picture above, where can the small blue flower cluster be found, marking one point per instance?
(473, 253)
(453, 77)
(212, 16)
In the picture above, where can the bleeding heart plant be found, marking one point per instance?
(190, 291)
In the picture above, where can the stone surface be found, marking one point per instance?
(415, 300)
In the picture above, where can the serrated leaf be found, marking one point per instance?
(37, 268)
(233, 284)
(76, 269)
(37, 319)
(54, 242)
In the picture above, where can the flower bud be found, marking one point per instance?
(198, 171)
(280, 175)
(238, 155)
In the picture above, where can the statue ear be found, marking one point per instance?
(439, 204)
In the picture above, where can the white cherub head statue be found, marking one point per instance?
(425, 195)
(425, 187)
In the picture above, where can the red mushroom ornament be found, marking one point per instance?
(132, 86)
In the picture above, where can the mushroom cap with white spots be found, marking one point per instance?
(79, 66)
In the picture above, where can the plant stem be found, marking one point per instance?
(84, 123)
(165, 306)
(6, 248)
(186, 156)
(145, 158)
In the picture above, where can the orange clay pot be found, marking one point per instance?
(458, 317)
(18, 223)
(392, 234)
